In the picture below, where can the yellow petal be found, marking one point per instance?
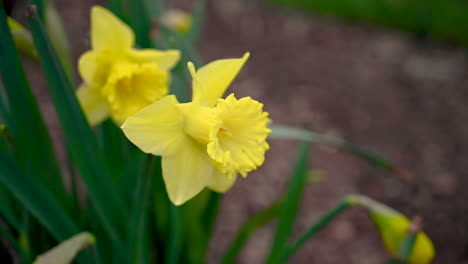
(93, 104)
(131, 87)
(165, 59)
(108, 31)
(87, 65)
(155, 127)
(186, 171)
(221, 183)
(214, 79)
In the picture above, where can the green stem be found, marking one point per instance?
(248, 228)
(175, 234)
(318, 226)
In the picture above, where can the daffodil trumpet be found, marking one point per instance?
(208, 141)
(119, 80)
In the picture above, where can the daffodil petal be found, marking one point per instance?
(165, 59)
(87, 65)
(93, 104)
(154, 128)
(214, 79)
(108, 31)
(221, 183)
(187, 171)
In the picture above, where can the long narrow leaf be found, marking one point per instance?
(142, 196)
(198, 14)
(287, 132)
(290, 204)
(36, 199)
(5, 233)
(319, 225)
(23, 117)
(247, 229)
(140, 22)
(79, 137)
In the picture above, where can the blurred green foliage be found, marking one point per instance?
(442, 19)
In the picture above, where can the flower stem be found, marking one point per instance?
(314, 229)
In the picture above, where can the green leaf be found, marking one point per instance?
(140, 204)
(292, 133)
(117, 7)
(112, 143)
(79, 138)
(290, 204)
(7, 209)
(175, 234)
(140, 22)
(36, 199)
(250, 226)
(6, 234)
(198, 14)
(314, 229)
(24, 117)
(58, 37)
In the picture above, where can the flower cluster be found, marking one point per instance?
(203, 143)
(208, 141)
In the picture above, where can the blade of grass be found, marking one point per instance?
(250, 226)
(290, 204)
(79, 137)
(314, 229)
(24, 117)
(292, 133)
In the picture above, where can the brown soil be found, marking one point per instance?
(400, 97)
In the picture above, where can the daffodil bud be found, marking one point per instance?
(393, 227)
(66, 251)
(177, 20)
(23, 40)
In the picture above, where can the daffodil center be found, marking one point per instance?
(132, 86)
(238, 144)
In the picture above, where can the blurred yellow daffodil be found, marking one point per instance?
(393, 227)
(206, 142)
(118, 79)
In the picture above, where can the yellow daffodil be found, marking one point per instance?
(393, 227)
(206, 142)
(118, 79)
